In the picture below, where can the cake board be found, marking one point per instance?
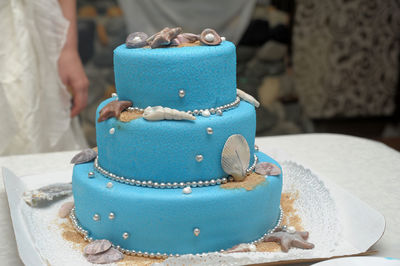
(361, 226)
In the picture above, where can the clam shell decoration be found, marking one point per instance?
(47, 193)
(265, 168)
(102, 252)
(84, 156)
(156, 113)
(187, 37)
(97, 246)
(235, 157)
(136, 40)
(247, 97)
(109, 256)
(210, 37)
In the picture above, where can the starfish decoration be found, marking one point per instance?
(113, 109)
(164, 37)
(288, 239)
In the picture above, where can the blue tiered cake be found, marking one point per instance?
(171, 178)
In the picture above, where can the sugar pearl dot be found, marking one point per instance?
(109, 185)
(91, 174)
(209, 37)
(210, 131)
(223, 38)
(199, 158)
(196, 231)
(256, 147)
(187, 190)
(291, 229)
(112, 130)
(181, 93)
(205, 113)
(111, 216)
(96, 217)
(125, 235)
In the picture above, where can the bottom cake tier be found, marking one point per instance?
(168, 221)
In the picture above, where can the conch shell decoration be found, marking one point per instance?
(157, 113)
(235, 157)
(247, 97)
(168, 37)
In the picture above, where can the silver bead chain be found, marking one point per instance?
(213, 111)
(158, 255)
(153, 184)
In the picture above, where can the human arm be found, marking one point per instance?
(70, 66)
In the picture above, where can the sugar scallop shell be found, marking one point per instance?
(210, 37)
(235, 157)
(84, 156)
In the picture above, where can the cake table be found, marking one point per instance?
(368, 169)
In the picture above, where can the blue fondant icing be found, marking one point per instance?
(163, 220)
(151, 77)
(165, 151)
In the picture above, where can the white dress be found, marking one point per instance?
(35, 105)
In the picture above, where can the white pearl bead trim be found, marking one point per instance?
(152, 184)
(203, 112)
(158, 255)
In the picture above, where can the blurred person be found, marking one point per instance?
(43, 86)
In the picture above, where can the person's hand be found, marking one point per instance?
(72, 74)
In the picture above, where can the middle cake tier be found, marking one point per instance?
(171, 151)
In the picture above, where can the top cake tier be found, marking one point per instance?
(185, 78)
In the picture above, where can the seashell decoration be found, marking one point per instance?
(109, 256)
(235, 157)
(164, 37)
(156, 113)
(47, 193)
(172, 37)
(188, 37)
(136, 40)
(65, 209)
(247, 97)
(265, 168)
(242, 248)
(84, 156)
(113, 109)
(210, 37)
(97, 246)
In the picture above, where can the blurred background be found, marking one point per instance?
(315, 66)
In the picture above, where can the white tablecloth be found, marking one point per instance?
(368, 169)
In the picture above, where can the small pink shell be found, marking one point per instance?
(65, 209)
(110, 256)
(97, 246)
(265, 168)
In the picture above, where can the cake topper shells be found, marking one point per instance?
(172, 37)
(109, 256)
(210, 37)
(97, 246)
(84, 156)
(47, 193)
(243, 247)
(136, 40)
(164, 113)
(247, 97)
(236, 157)
(265, 168)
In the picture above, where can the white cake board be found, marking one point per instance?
(361, 227)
